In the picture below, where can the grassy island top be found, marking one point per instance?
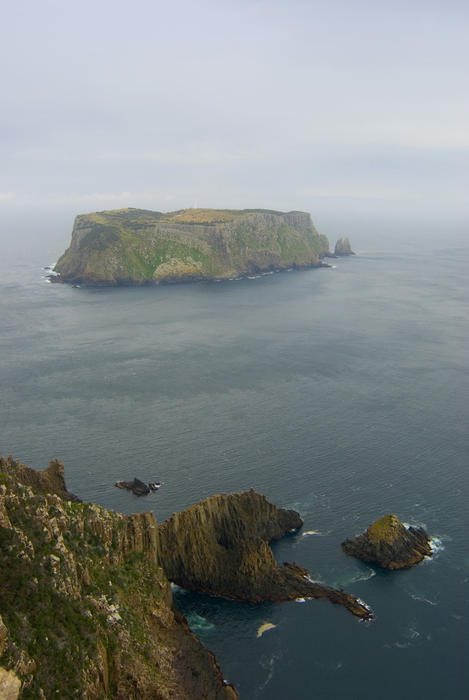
(181, 216)
(384, 529)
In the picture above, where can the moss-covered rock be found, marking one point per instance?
(390, 544)
(135, 246)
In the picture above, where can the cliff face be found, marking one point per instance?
(134, 246)
(390, 544)
(85, 609)
(220, 546)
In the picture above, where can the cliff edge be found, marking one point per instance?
(85, 610)
(136, 246)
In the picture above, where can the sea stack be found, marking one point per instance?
(343, 247)
(390, 544)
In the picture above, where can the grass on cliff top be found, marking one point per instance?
(182, 216)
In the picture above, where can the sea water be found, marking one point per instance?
(339, 392)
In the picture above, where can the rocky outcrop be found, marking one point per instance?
(220, 546)
(390, 544)
(343, 247)
(138, 488)
(86, 610)
(135, 246)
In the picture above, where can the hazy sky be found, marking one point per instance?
(342, 108)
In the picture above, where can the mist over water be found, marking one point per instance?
(341, 393)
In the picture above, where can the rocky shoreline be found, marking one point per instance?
(102, 580)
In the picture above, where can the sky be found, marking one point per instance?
(353, 110)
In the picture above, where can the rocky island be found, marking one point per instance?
(86, 608)
(137, 246)
(390, 544)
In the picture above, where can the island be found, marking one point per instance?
(391, 544)
(86, 606)
(137, 246)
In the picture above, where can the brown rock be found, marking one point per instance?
(390, 544)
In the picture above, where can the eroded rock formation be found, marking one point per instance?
(220, 546)
(390, 544)
(343, 247)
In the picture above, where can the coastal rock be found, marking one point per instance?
(85, 609)
(136, 246)
(138, 488)
(220, 546)
(343, 247)
(390, 544)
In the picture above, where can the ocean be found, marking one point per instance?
(342, 393)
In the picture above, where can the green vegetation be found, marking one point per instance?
(128, 246)
(69, 595)
(384, 529)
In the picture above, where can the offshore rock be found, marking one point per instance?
(85, 609)
(138, 488)
(136, 246)
(220, 546)
(343, 247)
(390, 544)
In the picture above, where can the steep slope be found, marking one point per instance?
(135, 246)
(85, 610)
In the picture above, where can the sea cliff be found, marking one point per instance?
(86, 608)
(136, 246)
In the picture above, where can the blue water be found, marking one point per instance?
(342, 393)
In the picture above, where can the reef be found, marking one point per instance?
(390, 544)
(136, 246)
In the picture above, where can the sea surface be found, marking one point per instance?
(342, 393)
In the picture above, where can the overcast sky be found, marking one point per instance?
(354, 107)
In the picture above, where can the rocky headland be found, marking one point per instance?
(390, 544)
(136, 246)
(220, 546)
(86, 608)
(86, 611)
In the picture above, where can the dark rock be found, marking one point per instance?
(343, 247)
(390, 544)
(220, 547)
(136, 486)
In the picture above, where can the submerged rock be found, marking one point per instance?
(390, 544)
